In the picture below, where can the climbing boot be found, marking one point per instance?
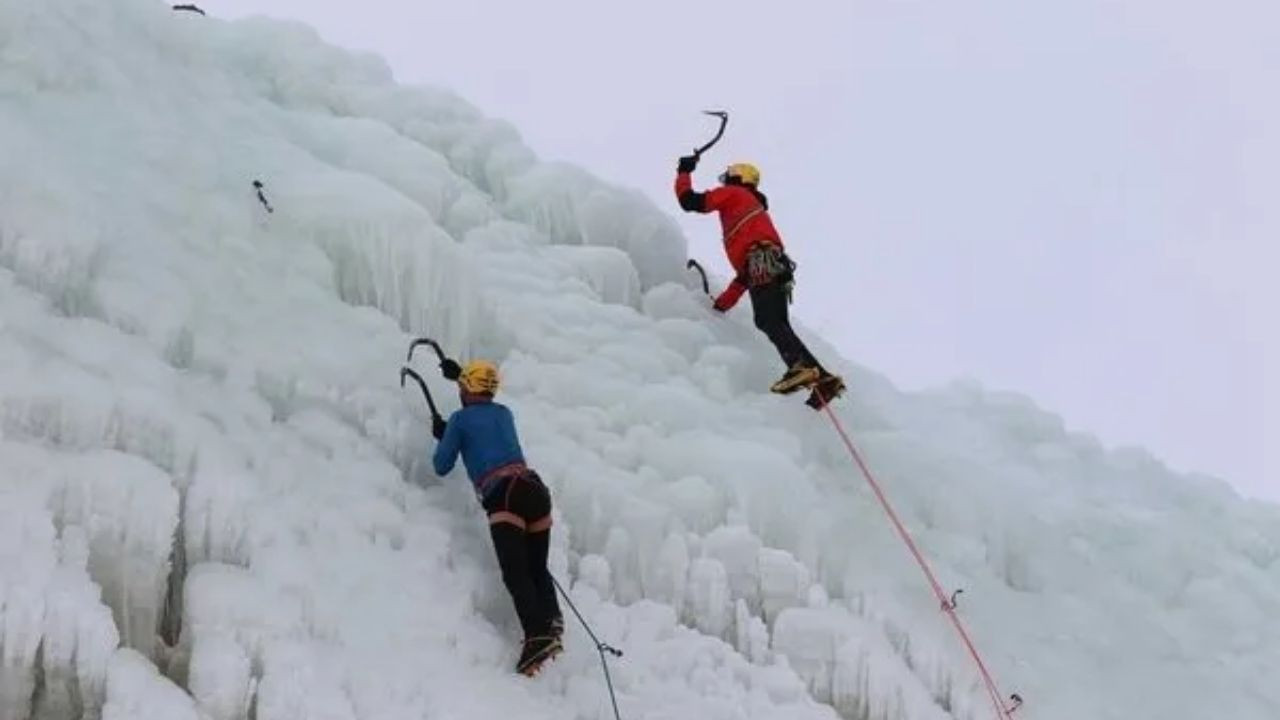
(537, 651)
(828, 388)
(799, 376)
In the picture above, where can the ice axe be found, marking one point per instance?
(724, 121)
(702, 275)
(409, 372)
(429, 342)
(695, 265)
(448, 368)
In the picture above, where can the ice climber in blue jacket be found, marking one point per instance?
(517, 502)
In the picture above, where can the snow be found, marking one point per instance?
(58, 635)
(136, 691)
(215, 499)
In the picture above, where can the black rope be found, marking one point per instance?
(601, 647)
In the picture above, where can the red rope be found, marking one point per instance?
(948, 606)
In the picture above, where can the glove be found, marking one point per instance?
(729, 297)
(450, 369)
(438, 426)
(688, 164)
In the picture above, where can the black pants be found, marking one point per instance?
(519, 509)
(769, 305)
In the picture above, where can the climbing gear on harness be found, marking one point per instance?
(769, 263)
(766, 263)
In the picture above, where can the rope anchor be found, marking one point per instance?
(261, 190)
(1016, 699)
(953, 603)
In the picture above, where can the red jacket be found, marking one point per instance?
(744, 220)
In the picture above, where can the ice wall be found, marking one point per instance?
(214, 496)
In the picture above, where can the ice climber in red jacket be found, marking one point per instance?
(761, 268)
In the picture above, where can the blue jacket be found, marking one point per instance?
(485, 435)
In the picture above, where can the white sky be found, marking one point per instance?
(1075, 200)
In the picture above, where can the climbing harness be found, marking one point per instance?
(947, 603)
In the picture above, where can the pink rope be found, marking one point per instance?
(947, 605)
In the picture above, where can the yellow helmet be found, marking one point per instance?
(745, 173)
(479, 377)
